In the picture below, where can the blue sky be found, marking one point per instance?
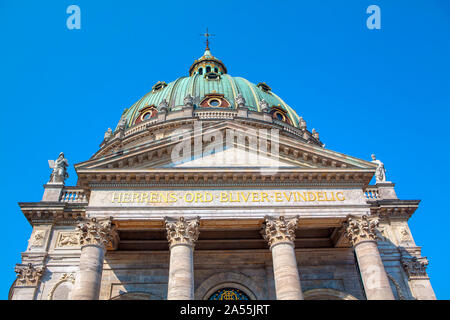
(366, 91)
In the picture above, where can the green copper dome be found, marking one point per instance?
(208, 77)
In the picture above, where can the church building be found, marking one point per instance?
(213, 188)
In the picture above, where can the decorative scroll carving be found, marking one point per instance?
(182, 231)
(280, 229)
(361, 229)
(95, 232)
(66, 277)
(415, 267)
(28, 275)
(68, 239)
(37, 238)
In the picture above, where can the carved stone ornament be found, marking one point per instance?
(188, 101)
(415, 267)
(277, 230)
(182, 231)
(264, 106)
(28, 275)
(94, 232)
(122, 123)
(108, 134)
(68, 239)
(361, 229)
(37, 238)
(66, 277)
(240, 101)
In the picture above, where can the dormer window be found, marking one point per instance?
(146, 114)
(264, 87)
(280, 115)
(212, 76)
(158, 86)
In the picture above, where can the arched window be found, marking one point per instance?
(280, 114)
(229, 294)
(208, 69)
(200, 71)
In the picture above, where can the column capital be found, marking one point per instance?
(415, 267)
(28, 275)
(361, 229)
(182, 231)
(98, 232)
(279, 230)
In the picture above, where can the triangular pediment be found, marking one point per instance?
(287, 152)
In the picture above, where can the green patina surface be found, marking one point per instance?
(198, 86)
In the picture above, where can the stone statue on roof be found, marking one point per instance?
(59, 166)
(240, 101)
(380, 173)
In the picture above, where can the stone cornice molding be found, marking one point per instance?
(98, 232)
(394, 209)
(28, 275)
(53, 212)
(279, 230)
(230, 177)
(182, 231)
(415, 267)
(361, 229)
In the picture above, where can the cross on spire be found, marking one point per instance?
(207, 35)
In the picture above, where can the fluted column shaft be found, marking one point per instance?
(181, 235)
(361, 232)
(280, 234)
(94, 236)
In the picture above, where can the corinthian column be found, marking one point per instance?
(181, 235)
(28, 277)
(280, 234)
(361, 232)
(94, 236)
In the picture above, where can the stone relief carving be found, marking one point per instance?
(28, 275)
(361, 229)
(182, 231)
(68, 239)
(415, 267)
(404, 235)
(66, 277)
(277, 230)
(98, 232)
(37, 238)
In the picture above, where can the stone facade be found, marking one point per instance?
(298, 222)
